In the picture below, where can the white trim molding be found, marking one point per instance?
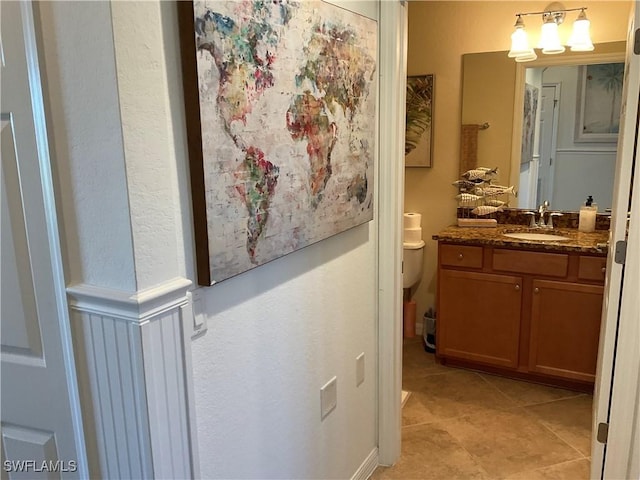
(393, 58)
(138, 307)
(134, 378)
(368, 466)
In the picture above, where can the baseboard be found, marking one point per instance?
(405, 397)
(368, 466)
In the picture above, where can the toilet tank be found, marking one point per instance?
(412, 257)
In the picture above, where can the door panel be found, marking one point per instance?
(565, 326)
(20, 329)
(40, 408)
(38, 446)
(612, 459)
(479, 317)
(547, 148)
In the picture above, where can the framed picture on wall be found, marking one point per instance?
(418, 146)
(280, 99)
(531, 94)
(599, 102)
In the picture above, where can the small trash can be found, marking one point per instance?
(429, 331)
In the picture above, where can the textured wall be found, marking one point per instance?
(439, 34)
(152, 166)
(79, 76)
(276, 335)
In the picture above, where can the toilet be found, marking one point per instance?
(412, 249)
(412, 254)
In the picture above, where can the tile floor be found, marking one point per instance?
(459, 424)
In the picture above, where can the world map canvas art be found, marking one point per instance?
(282, 142)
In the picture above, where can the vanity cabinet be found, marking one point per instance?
(481, 317)
(527, 314)
(565, 328)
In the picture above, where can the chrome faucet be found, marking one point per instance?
(542, 209)
(551, 215)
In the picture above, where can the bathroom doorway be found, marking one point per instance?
(436, 156)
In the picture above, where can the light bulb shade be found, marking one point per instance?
(519, 43)
(549, 38)
(527, 58)
(580, 40)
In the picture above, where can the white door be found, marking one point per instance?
(616, 393)
(41, 422)
(549, 101)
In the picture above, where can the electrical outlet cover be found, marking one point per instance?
(359, 369)
(328, 397)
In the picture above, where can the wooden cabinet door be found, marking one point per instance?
(479, 317)
(565, 329)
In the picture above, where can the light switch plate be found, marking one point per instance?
(199, 318)
(328, 397)
(359, 369)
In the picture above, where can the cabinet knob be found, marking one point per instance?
(517, 287)
(604, 270)
(536, 290)
(460, 256)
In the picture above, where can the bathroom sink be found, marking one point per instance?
(549, 237)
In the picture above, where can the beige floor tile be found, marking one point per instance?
(429, 452)
(449, 395)
(526, 393)
(569, 419)
(416, 362)
(507, 442)
(574, 470)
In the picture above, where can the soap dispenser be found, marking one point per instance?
(587, 219)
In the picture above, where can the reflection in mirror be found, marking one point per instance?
(553, 124)
(560, 161)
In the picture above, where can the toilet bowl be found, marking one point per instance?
(412, 253)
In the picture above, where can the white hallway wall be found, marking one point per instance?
(276, 334)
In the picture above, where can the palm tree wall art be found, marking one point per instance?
(599, 102)
(419, 116)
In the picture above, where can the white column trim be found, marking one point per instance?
(136, 377)
(393, 58)
(138, 307)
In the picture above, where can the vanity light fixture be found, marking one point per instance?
(580, 40)
(549, 37)
(550, 44)
(520, 47)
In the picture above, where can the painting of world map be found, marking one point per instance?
(287, 119)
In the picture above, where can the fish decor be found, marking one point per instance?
(468, 198)
(495, 190)
(486, 210)
(465, 186)
(480, 173)
(476, 190)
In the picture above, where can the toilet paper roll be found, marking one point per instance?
(412, 235)
(412, 220)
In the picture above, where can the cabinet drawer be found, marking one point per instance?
(592, 268)
(537, 263)
(461, 256)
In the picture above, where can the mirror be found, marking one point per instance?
(536, 113)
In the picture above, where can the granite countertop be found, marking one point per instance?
(594, 243)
